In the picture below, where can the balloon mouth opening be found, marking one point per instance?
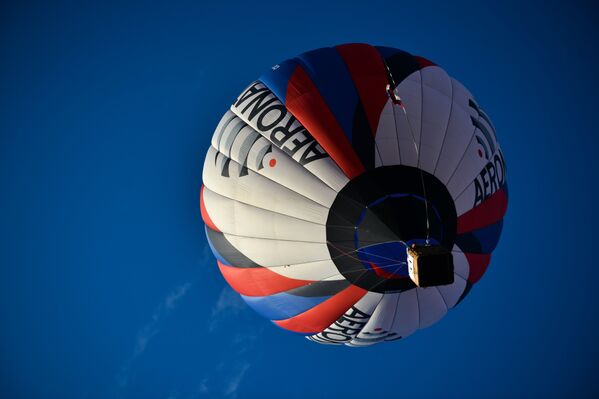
(388, 226)
(378, 215)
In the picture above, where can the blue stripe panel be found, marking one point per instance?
(481, 241)
(334, 84)
(489, 236)
(282, 306)
(276, 79)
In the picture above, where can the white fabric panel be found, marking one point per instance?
(240, 219)
(485, 184)
(451, 293)
(431, 305)
(386, 137)
(436, 108)
(460, 263)
(379, 325)
(286, 132)
(235, 128)
(469, 168)
(241, 143)
(286, 172)
(276, 252)
(295, 177)
(407, 315)
(408, 122)
(459, 133)
(247, 147)
(465, 201)
(436, 78)
(351, 323)
(224, 123)
(319, 270)
(257, 190)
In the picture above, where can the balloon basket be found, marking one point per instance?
(430, 265)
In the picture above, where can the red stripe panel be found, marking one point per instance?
(478, 265)
(370, 78)
(258, 281)
(383, 273)
(324, 314)
(423, 62)
(305, 103)
(487, 213)
(205, 215)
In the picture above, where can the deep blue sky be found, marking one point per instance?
(107, 289)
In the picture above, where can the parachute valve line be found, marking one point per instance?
(392, 93)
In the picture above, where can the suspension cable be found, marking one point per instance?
(396, 100)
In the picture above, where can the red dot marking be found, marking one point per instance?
(272, 163)
(480, 153)
(378, 329)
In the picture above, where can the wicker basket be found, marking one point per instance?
(430, 265)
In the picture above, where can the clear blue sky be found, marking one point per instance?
(107, 289)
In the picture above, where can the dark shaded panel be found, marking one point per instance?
(226, 252)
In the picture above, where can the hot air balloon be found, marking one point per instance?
(354, 194)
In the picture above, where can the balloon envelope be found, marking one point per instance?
(326, 168)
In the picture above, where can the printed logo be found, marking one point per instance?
(252, 143)
(260, 107)
(487, 140)
(492, 176)
(344, 329)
